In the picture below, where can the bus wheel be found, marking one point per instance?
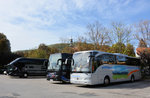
(106, 81)
(132, 78)
(25, 75)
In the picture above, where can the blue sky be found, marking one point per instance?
(27, 23)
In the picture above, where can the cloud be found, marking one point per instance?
(32, 22)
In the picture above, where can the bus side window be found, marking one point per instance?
(132, 61)
(97, 62)
(121, 60)
(43, 67)
(31, 66)
(137, 62)
(108, 59)
(105, 59)
(112, 59)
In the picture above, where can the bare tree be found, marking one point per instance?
(120, 33)
(143, 31)
(97, 34)
(81, 39)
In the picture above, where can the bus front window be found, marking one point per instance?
(52, 65)
(81, 62)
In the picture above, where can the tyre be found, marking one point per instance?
(48, 78)
(20, 76)
(106, 81)
(132, 78)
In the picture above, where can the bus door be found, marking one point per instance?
(20, 66)
(65, 73)
(66, 69)
(96, 63)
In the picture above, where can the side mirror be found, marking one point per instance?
(59, 60)
(66, 61)
(69, 61)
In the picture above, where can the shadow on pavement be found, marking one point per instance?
(60, 83)
(29, 77)
(121, 85)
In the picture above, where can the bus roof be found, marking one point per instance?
(89, 51)
(101, 52)
(31, 58)
(61, 53)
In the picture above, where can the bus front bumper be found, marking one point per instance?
(84, 81)
(81, 82)
(52, 76)
(81, 78)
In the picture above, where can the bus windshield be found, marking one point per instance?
(14, 61)
(81, 62)
(52, 65)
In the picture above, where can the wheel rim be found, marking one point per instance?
(132, 79)
(25, 75)
(106, 81)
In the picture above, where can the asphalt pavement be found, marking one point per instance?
(39, 87)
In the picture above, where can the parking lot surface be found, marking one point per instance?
(39, 87)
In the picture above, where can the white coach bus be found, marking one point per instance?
(96, 67)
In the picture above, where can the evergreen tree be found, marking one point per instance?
(4, 44)
(118, 48)
(129, 50)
